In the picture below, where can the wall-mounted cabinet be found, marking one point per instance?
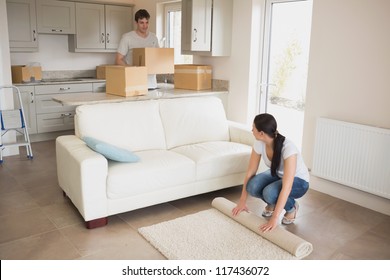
(99, 28)
(22, 25)
(207, 27)
(196, 21)
(56, 17)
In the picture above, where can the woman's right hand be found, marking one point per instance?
(241, 206)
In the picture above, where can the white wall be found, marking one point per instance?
(242, 67)
(53, 55)
(348, 78)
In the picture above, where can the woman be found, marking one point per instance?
(287, 179)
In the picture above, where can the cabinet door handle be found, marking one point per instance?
(31, 97)
(195, 35)
(108, 38)
(66, 115)
(34, 35)
(56, 30)
(64, 88)
(102, 37)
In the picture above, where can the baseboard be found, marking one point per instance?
(364, 199)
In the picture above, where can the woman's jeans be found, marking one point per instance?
(268, 187)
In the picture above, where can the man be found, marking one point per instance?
(139, 38)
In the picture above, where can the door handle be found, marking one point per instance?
(63, 88)
(195, 35)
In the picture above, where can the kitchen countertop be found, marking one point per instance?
(163, 91)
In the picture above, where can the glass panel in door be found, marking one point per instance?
(285, 63)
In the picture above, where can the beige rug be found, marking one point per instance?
(215, 235)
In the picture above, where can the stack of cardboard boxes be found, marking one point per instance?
(132, 80)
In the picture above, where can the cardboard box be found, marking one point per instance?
(26, 74)
(101, 71)
(157, 60)
(126, 80)
(193, 76)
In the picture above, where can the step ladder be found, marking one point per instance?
(14, 120)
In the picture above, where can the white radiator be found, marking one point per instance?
(354, 155)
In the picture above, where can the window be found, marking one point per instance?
(172, 31)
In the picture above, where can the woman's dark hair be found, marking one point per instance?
(140, 14)
(267, 124)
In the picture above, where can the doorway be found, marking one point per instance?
(285, 63)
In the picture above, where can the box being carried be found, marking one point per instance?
(157, 60)
(101, 71)
(26, 74)
(193, 76)
(126, 80)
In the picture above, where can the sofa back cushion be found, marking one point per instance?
(193, 120)
(134, 125)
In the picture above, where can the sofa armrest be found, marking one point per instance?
(82, 174)
(240, 133)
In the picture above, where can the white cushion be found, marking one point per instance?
(156, 170)
(193, 120)
(133, 126)
(217, 159)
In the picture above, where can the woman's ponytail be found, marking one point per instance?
(277, 157)
(267, 124)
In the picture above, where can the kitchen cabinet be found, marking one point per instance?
(99, 27)
(52, 116)
(56, 17)
(99, 87)
(22, 25)
(207, 27)
(196, 24)
(28, 103)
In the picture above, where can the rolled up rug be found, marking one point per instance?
(279, 236)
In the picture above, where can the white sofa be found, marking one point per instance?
(186, 147)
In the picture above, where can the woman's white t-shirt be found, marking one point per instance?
(288, 150)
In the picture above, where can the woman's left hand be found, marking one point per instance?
(269, 226)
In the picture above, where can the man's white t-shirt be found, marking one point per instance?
(288, 150)
(132, 40)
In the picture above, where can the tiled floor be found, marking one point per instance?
(37, 222)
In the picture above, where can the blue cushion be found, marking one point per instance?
(110, 151)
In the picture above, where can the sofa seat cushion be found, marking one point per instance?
(217, 158)
(157, 169)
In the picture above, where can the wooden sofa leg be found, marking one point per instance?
(101, 222)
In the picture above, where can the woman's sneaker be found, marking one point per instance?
(268, 211)
(288, 221)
